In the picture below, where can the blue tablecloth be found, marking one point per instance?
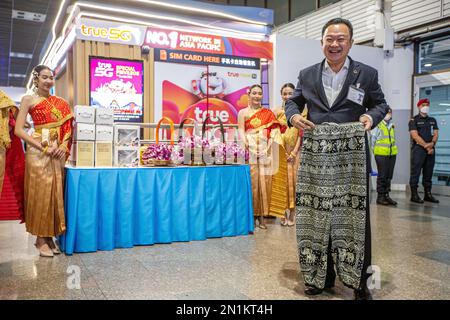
(122, 207)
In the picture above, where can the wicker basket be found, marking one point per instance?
(158, 126)
(147, 163)
(161, 163)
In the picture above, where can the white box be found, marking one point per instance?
(104, 133)
(126, 136)
(84, 114)
(72, 160)
(103, 154)
(84, 131)
(104, 116)
(84, 153)
(126, 157)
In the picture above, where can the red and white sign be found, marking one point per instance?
(197, 42)
(175, 40)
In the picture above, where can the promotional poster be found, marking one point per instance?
(197, 91)
(117, 84)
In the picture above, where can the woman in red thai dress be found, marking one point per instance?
(47, 151)
(259, 128)
(12, 163)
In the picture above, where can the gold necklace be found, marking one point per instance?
(37, 95)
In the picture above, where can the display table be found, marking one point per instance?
(122, 207)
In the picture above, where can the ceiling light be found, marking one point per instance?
(427, 65)
(444, 104)
(17, 75)
(20, 55)
(210, 12)
(233, 34)
(104, 7)
(29, 16)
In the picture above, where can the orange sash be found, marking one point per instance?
(264, 119)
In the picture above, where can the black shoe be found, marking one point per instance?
(415, 196)
(381, 199)
(312, 291)
(390, 200)
(429, 197)
(362, 294)
(329, 285)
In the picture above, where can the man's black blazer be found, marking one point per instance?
(310, 92)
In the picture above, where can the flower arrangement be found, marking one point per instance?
(230, 151)
(192, 143)
(158, 152)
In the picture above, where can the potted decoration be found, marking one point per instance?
(184, 143)
(160, 153)
(213, 147)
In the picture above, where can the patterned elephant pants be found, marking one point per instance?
(331, 203)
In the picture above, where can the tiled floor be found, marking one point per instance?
(411, 247)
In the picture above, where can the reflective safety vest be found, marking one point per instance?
(385, 144)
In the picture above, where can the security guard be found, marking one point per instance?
(424, 133)
(385, 151)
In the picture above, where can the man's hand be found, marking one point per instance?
(365, 120)
(300, 122)
(430, 151)
(429, 146)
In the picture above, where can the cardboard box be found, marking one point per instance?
(71, 160)
(84, 131)
(103, 154)
(104, 116)
(126, 136)
(104, 133)
(126, 157)
(84, 114)
(84, 153)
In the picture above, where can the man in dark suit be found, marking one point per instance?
(339, 90)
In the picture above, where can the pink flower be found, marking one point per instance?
(159, 151)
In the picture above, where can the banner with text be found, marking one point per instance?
(196, 42)
(206, 59)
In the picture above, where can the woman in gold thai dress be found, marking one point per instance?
(282, 201)
(47, 151)
(258, 128)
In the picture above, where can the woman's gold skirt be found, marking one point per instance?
(44, 191)
(283, 185)
(261, 188)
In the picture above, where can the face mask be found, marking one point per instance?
(425, 110)
(388, 117)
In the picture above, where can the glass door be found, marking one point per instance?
(436, 87)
